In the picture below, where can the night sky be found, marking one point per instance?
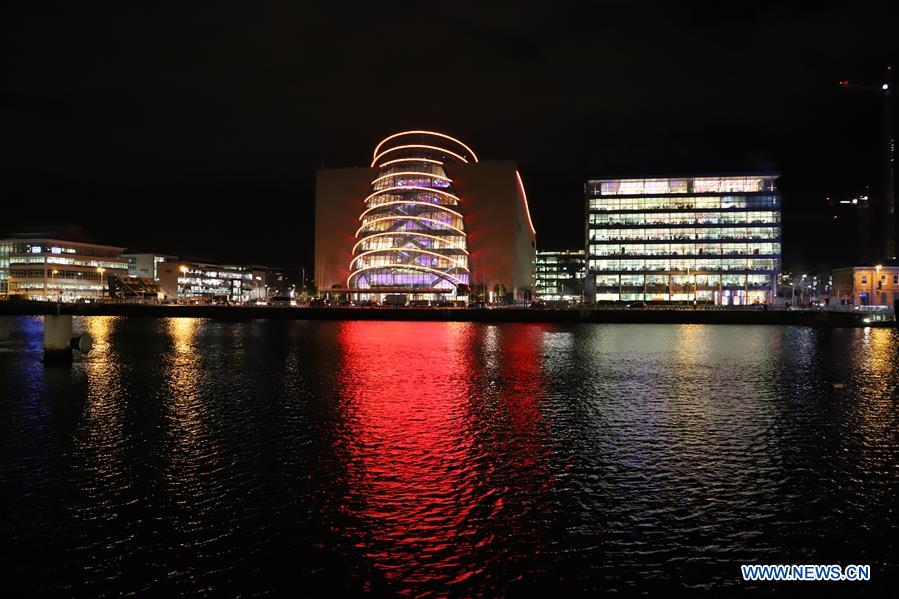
(196, 129)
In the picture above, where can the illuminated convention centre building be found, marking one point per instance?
(425, 221)
(714, 240)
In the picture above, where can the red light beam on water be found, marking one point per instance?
(418, 447)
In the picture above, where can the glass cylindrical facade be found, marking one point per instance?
(411, 236)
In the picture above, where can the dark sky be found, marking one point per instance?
(195, 129)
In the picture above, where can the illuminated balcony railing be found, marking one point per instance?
(638, 236)
(698, 203)
(682, 185)
(678, 256)
(680, 288)
(650, 269)
(684, 220)
(412, 228)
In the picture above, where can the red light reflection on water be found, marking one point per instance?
(419, 460)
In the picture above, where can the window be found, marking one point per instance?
(864, 279)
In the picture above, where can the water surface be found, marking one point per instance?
(187, 456)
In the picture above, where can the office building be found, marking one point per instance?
(559, 275)
(866, 286)
(58, 270)
(205, 282)
(710, 240)
(426, 220)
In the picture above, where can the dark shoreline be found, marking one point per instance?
(654, 316)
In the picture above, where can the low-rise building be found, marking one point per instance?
(866, 286)
(559, 275)
(56, 269)
(260, 288)
(209, 282)
(161, 268)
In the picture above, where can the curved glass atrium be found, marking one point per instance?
(411, 237)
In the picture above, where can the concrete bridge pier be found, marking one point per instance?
(57, 339)
(59, 342)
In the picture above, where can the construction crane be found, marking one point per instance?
(889, 155)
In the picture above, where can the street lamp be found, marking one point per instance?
(802, 289)
(876, 276)
(792, 291)
(101, 270)
(689, 285)
(55, 284)
(184, 270)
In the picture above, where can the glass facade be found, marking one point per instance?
(215, 283)
(5, 250)
(53, 269)
(559, 275)
(690, 239)
(411, 237)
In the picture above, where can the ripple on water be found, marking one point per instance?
(185, 456)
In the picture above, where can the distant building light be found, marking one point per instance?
(886, 86)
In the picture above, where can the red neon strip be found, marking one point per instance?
(525, 197)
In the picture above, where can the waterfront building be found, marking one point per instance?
(559, 275)
(866, 286)
(426, 220)
(714, 239)
(412, 231)
(207, 282)
(57, 269)
(135, 289)
(161, 268)
(260, 287)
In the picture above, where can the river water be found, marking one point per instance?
(188, 456)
